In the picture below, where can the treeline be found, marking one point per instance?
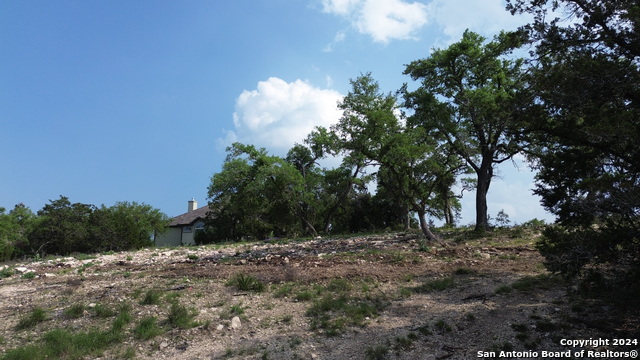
(62, 228)
(571, 107)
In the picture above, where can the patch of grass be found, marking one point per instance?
(74, 311)
(29, 275)
(305, 295)
(339, 285)
(442, 327)
(123, 318)
(504, 289)
(182, 317)
(334, 312)
(35, 317)
(192, 257)
(103, 311)
(151, 297)
(435, 285)
(62, 344)
(147, 328)
(6, 272)
(283, 290)
(378, 352)
(244, 282)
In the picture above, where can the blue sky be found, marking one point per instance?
(105, 101)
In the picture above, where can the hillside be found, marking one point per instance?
(360, 297)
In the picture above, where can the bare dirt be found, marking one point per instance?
(479, 311)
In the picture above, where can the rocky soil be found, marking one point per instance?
(494, 295)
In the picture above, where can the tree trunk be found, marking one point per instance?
(448, 213)
(407, 219)
(485, 174)
(424, 226)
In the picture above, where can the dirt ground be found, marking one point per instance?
(499, 298)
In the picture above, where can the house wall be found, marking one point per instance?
(172, 237)
(187, 236)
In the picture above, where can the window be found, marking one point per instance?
(186, 229)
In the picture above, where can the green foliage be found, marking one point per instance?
(584, 135)
(63, 228)
(244, 282)
(151, 297)
(469, 99)
(181, 317)
(15, 228)
(74, 311)
(35, 317)
(147, 328)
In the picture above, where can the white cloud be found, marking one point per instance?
(278, 114)
(383, 20)
(486, 17)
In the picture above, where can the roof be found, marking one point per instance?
(190, 217)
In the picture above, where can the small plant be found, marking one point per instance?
(192, 257)
(123, 318)
(244, 282)
(129, 258)
(29, 275)
(74, 311)
(181, 317)
(441, 326)
(147, 328)
(36, 316)
(283, 290)
(103, 311)
(151, 297)
(504, 289)
(6, 272)
(378, 352)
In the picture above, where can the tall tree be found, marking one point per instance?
(470, 97)
(411, 163)
(586, 74)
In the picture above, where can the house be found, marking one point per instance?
(183, 228)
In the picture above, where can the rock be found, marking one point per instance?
(220, 327)
(235, 323)
(163, 345)
(21, 270)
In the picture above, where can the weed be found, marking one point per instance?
(283, 290)
(339, 285)
(305, 295)
(520, 327)
(147, 328)
(403, 343)
(123, 318)
(74, 311)
(192, 257)
(36, 316)
(286, 319)
(504, 289)
(442, 327)
(181, 317)
(151, 297)
(244, 282)
(334, 312)
(470, 317)
(129, 258)
(378, 352)
(6, 272)
(126, 274)
(29, 275)
(103, 311)
(435, 285)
